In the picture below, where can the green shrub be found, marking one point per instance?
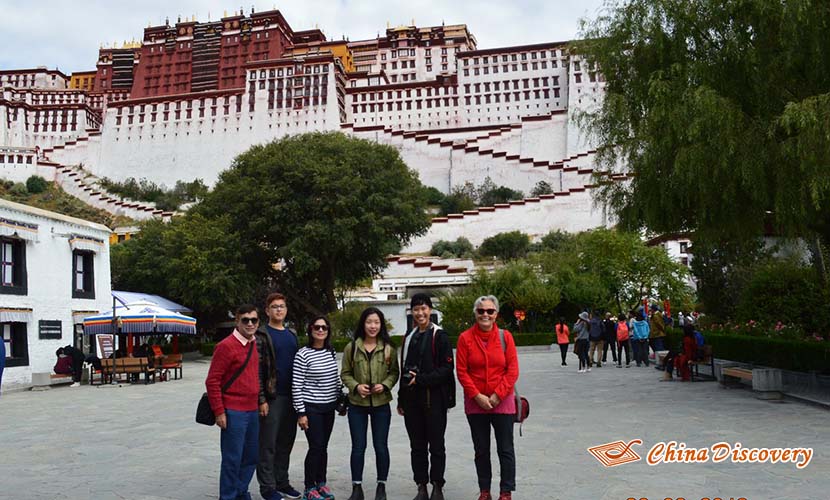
(449, 249)
(499, 194)
(795, 355)
(785, 291)
(19, 189)
(433, 195)
(456, 203)
(505, 246)
(36, 184)
(541, 188)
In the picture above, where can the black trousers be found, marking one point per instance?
(426, 428)
(623, 344)
(563, 350)
(502, 425)
(318, 433)
(277, 432)
(609, 343)
(77, 368)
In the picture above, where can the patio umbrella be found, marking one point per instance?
(141, 318)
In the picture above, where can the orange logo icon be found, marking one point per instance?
(615, 453)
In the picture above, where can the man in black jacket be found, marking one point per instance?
(426, 392)
(609, 337)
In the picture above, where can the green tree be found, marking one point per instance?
(318, 211)
(719, 109)
(505, 246)
(541, 187)
(517, 285)
(614, 270)
(192, 260)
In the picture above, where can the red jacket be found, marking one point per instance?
(243, 394)
(486, 370)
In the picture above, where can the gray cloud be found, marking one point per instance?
(67, 35)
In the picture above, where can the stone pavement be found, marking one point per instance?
(140, 442)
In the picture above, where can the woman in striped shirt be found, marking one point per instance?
(316, 385)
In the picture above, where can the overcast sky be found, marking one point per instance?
(67, 34)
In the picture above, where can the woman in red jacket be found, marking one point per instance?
(487, 370)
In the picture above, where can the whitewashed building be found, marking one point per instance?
(54, 270)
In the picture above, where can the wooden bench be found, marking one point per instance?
(44, 380)
(732, 375)
(111, 368)
(172, 362)
(707, 359)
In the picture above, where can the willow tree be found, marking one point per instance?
(720, 109)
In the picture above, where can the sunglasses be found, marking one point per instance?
(249, 321)
(482, 312)
(320, 328)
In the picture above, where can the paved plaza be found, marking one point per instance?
(140, 442)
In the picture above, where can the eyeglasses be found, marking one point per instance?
(489, 312)
(320, 328)
(279, 306)
(249, 321)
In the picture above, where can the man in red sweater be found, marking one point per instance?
(236, 407)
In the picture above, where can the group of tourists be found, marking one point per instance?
(595, 334)
(262, 387)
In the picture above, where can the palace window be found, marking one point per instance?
(13, 267)
(15, 340)
(83, 275)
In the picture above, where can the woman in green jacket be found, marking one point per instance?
(370, 371)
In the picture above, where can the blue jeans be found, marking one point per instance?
(358, 428)
(240, 452)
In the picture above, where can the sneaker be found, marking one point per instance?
(75, 384)
(312, 494)
(627, 365)
(484, 495)
(589, 369)
(274, 495)
(325, 491)
(599, 365)
(289, 492)
(563, 364)
(619, 365)
(581, 370)
(505, 495)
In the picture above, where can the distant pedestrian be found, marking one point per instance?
(595, 336)
(2, 362)
(609, 338)
(640, 330)
(581, 346)
(235, 405)
(657, 334)
(623, 341)
(562, 338)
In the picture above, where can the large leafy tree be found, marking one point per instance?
(720, 109)
(318, 211)
(192, 260)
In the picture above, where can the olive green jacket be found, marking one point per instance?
(382, 369)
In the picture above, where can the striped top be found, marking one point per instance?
(316, 378)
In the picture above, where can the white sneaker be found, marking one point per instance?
(75, 384)
(581, 371)
(589, 369)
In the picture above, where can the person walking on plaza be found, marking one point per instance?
(623, 341)
(581, 342)
(609, 338)
(316, 386)
(488, 367)
(426, 392)
(276, 346)
(640, 331)
(562, 338)
(369, 371)
(595, 335)
(657, 332)
(233, 388)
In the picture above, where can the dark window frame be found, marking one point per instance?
(20, 279)
(19, 342)
(88, 272)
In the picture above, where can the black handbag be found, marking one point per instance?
(204, 413)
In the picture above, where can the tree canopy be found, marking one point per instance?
(720, 109)
(318, 211)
